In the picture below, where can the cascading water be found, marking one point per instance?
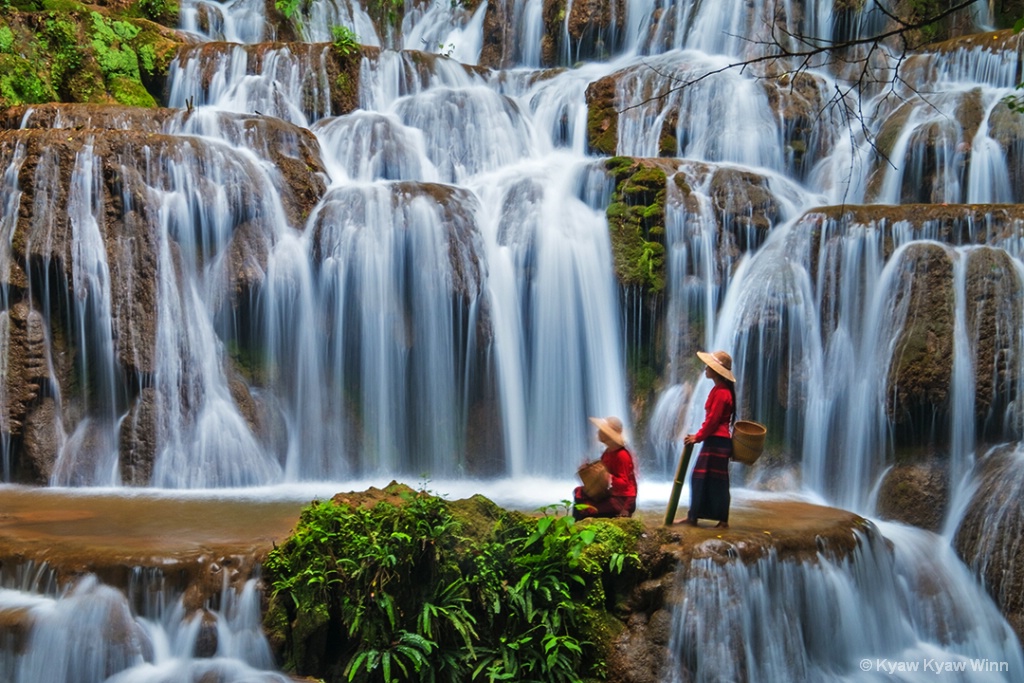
(877, 616)
(446, 303)
(90, 632)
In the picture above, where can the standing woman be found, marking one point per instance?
(709, 484)
(619, 462)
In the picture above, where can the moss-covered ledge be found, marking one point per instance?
(398, 583)
(636, 220)
(70, 52)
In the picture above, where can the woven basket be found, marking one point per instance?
(747, 441)
(596, 480)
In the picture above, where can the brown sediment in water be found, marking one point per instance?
(192, 540)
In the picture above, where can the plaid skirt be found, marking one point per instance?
(709, 484)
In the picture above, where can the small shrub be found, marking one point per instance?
(345, 42)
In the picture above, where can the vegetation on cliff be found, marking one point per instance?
(68, 52)
(408, 586)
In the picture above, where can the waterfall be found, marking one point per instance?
(914, 607)
(270, 287)
(90, 632)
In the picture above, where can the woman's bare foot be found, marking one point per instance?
(722, 525)
(687, 521)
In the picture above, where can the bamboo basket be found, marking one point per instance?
(596, 480)
(747, 441)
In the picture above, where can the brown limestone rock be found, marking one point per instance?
(588, 20)
(929, 146)
(995, 321)
(138, 440)
(916, 494)
(129, 220)
(86, 116)
(798, 100)
(554, 22)
(988, 539)
(40, 442)
(744, 201)
(26, 370)
(922, 363)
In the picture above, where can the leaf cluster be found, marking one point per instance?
(403, 592)
(345, 42)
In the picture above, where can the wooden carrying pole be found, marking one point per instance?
(677, 487)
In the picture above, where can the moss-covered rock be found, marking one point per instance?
(602, 116)
(636, 221)
(74, 54)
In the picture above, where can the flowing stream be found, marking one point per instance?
(448, 308)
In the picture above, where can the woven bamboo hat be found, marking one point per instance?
(720, 362)
(611, 427)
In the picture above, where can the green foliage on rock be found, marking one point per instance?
(415, 588)
(636, 222)
(345, 42)
(67, 54)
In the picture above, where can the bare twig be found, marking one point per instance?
(819, 47)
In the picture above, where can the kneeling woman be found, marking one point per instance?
(619, 463)
(709, 484)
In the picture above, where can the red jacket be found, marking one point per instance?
(718, 414)
(620, 465)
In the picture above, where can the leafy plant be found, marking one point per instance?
(288, 7)
(407, 592)
(345, 42)
(163, 11)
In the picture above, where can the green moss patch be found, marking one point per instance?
(636, 222)
(67, 54)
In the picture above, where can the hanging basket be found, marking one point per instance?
(747, 441)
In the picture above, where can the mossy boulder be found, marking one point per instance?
(629, 577)
(80, 55)
(636, 221)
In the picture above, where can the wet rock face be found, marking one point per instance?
(799, 100)
(988, 537)
(91, 224)
(592, 27)
(993, 293)
(916, 494)
(602, 116)
(26, 373)
(139, 434)
(920, 377)
(922, 365)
